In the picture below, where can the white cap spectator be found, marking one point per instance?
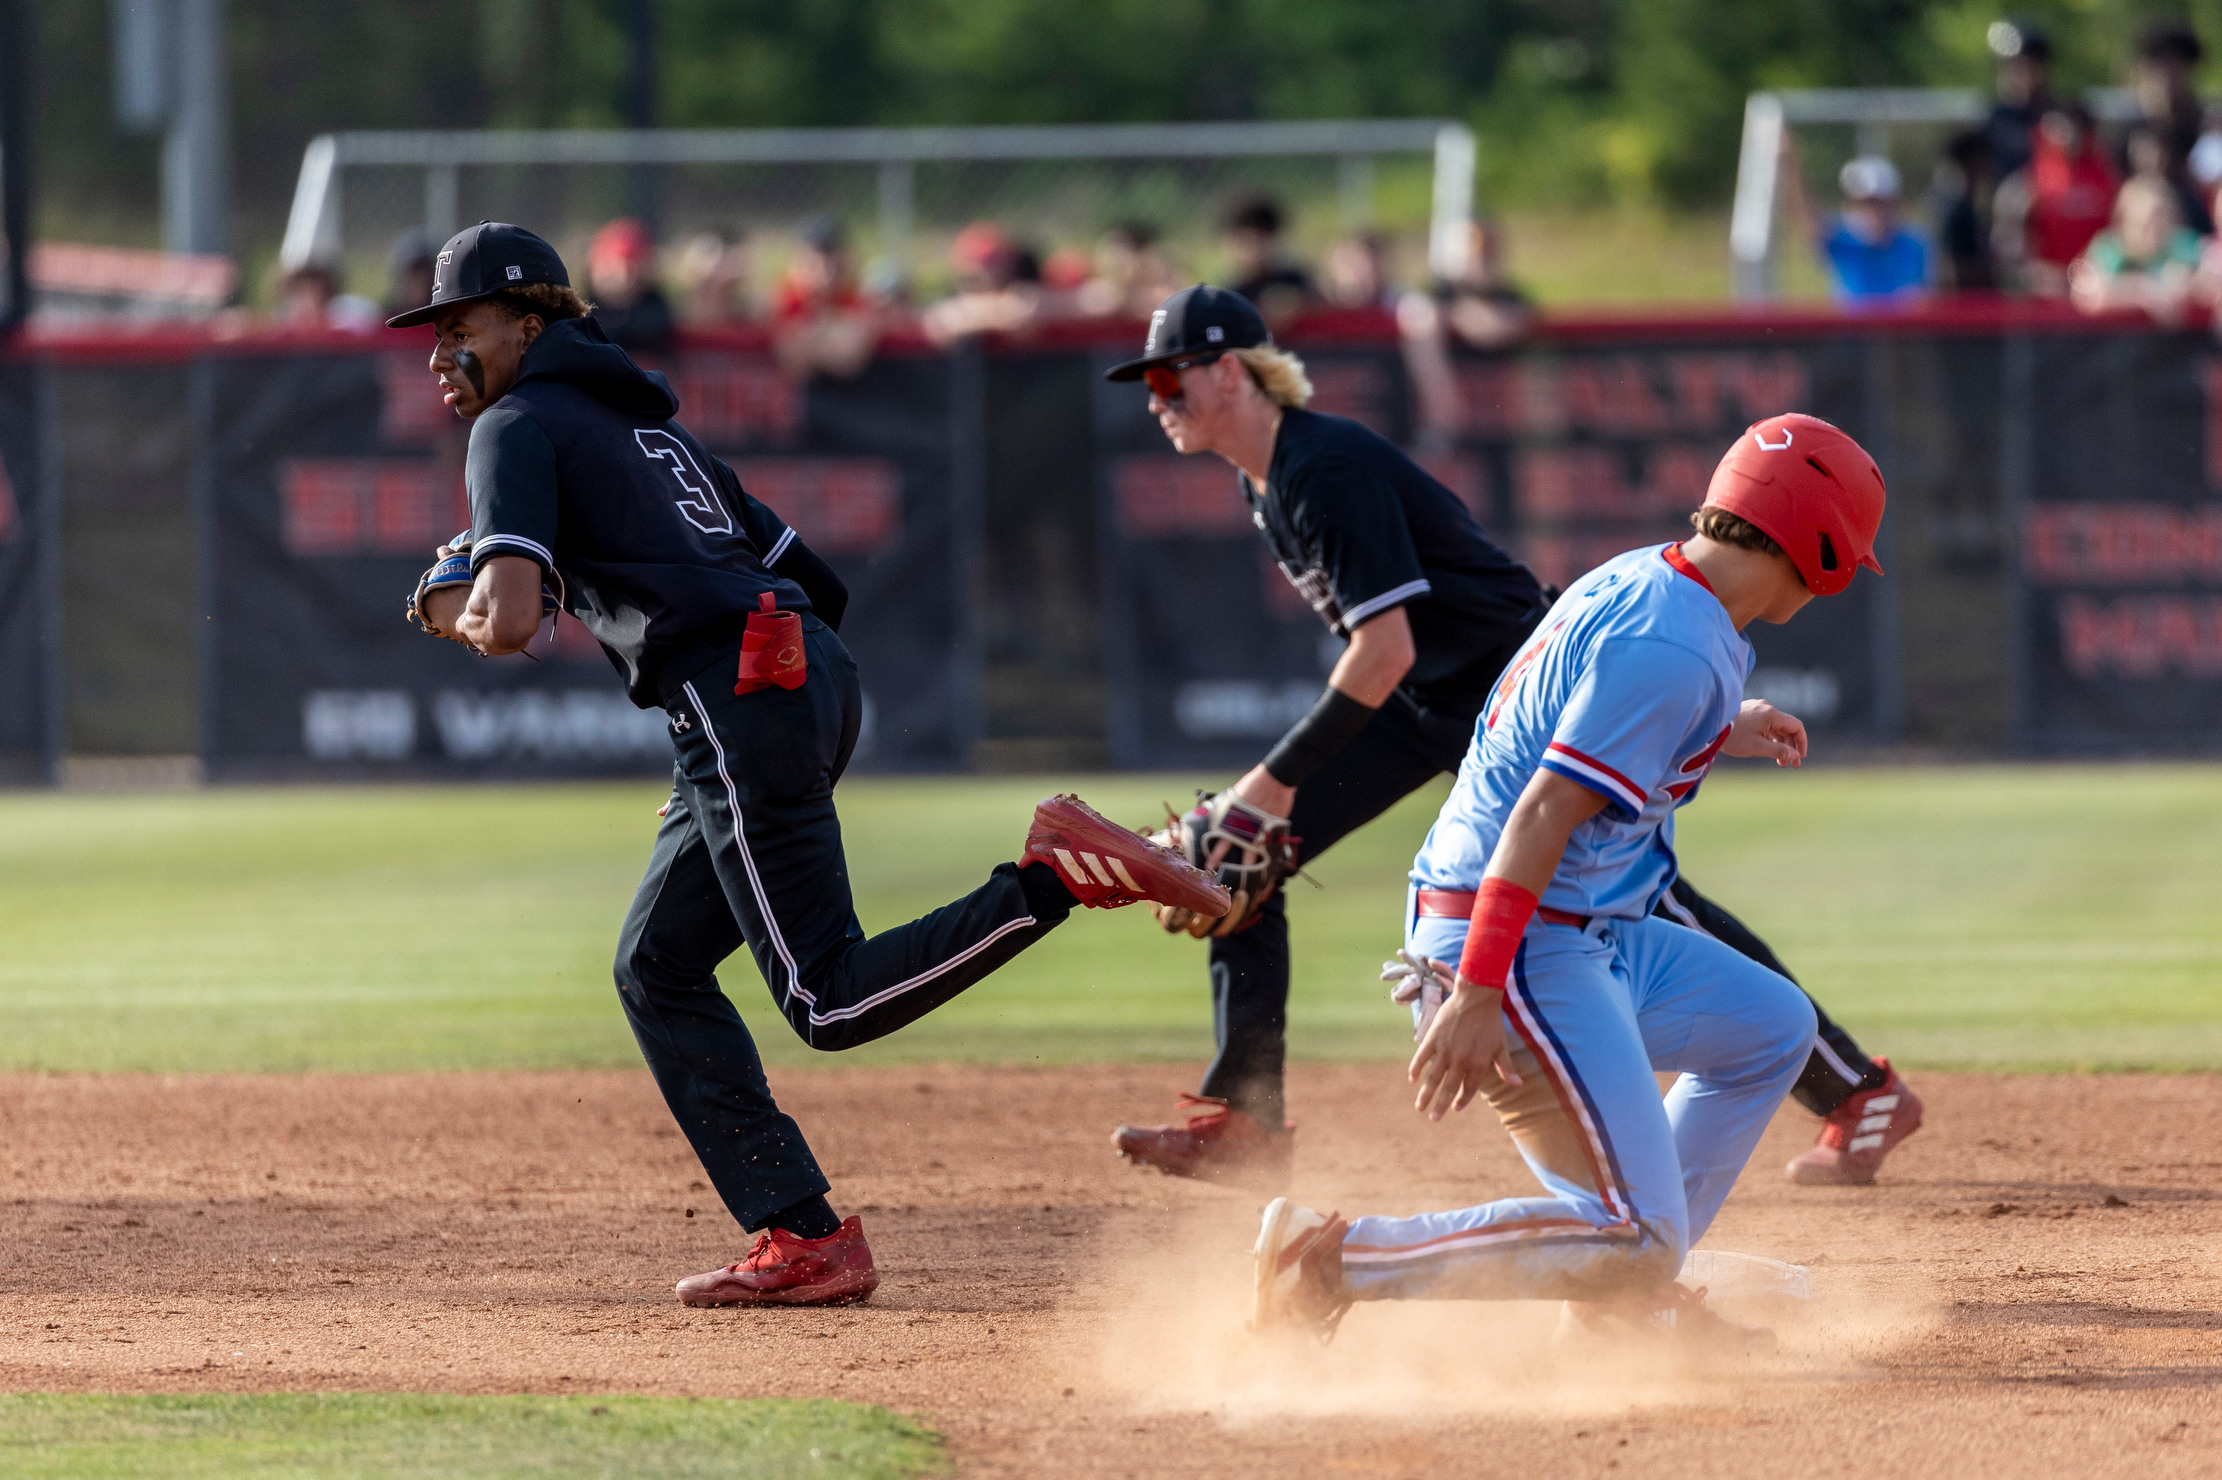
(1869, 177)
(2206, 159)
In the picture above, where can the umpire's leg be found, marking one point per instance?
(676, 933)
(758, 770)
(1837, 1068)
(1393, 756)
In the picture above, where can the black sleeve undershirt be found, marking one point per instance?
(829, 598)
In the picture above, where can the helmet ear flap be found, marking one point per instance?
(1828, 552)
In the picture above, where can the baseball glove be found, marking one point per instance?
(1248, 851)
(454, 569)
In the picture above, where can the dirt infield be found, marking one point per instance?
(2033, 1291)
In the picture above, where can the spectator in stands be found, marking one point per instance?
(998, 287)
(1262, 270)
(713, 275)
(2206, 281)
(621, 279)
(821, 322)
(2046, 212)
(1355, 273)
(1131, 276)
(2145, 260)
(309, 298)
(2205, 166)
(1961, 194)
(304, 294)
(1874, 259)
(1477, 308)
(409, 271)
(1064, 273)
(2023, 89)
(2147, 154)
(2168, 57)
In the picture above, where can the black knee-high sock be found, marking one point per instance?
(813, 1217)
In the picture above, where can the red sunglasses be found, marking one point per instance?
(1164, 380)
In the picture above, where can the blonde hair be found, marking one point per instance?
(1277, 373)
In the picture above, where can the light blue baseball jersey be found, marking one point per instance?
(1628, 687)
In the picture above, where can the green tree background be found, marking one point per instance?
(1580, 103)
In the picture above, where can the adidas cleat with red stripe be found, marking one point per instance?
(1858, 1134)
(1105, 866)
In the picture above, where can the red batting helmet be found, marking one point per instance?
(1811, 489)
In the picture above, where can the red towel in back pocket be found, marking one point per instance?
(771, 650)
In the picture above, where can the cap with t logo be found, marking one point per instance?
(1202, 320)
(481, 260)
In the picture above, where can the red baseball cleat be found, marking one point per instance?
(1218, 1144)
(1671, 1313)
(1296, 1271)
(1858, 1134)
(1106, 866)
(785, 1270)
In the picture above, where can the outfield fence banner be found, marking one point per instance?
(331, 478)
(29, 582)
(2117, 469)
(206, 545)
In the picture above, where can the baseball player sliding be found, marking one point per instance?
(1391, 560)
(586, 493)
(1534, 897)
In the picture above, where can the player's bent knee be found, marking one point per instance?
(1791, 1013)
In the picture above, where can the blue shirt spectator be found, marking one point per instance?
(1869, 271)
(1874, 260)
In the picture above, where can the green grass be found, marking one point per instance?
(407, 1436)
(2043, 916)
(1630, 258)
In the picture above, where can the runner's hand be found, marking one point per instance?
(1465, 1043)
(1763, 732)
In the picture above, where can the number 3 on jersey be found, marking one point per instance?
(698, 498)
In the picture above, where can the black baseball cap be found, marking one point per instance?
(1201, 320)
(479, 261)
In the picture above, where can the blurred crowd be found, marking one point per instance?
(827, 316)
(2039, 199)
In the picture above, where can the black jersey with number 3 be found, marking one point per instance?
(1359, 528)
(660, 553)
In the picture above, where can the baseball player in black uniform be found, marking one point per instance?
(584, 488)
(1394, 562)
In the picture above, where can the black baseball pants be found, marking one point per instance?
(1398, 752)
(750, 853)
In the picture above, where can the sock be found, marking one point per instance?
(1047, 898)
(811, 1218)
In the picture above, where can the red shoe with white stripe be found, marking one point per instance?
(1858, 1134)
(1105, 866)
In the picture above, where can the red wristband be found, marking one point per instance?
(1502, 910)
